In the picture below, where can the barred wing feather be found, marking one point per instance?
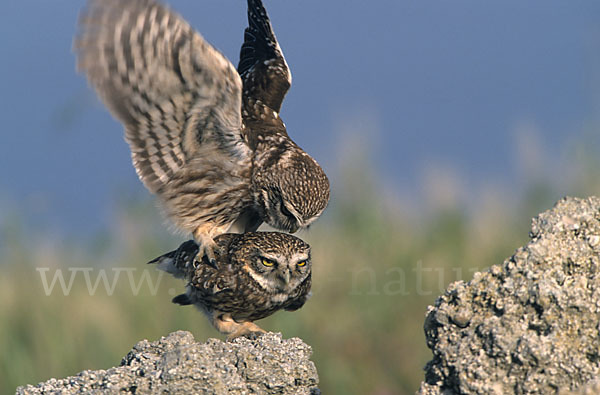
(172, 91)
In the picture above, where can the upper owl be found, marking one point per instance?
(206, 139)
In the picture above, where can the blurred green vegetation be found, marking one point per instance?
(378, 264)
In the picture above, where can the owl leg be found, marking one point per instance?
(206, 248)
(247, 329)
(204, 236)
(227, 325)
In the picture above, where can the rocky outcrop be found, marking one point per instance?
(176, 364)
(530, 325)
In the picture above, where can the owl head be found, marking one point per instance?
(278, 262)
(296, 193)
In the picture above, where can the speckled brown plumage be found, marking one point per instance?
(207, 139)
(242, 288)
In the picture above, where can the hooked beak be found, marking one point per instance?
(285, 277)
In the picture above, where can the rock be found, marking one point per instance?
(530, 325)
(176, 364)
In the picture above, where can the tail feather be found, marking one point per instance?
(178, 261)
(168, 255)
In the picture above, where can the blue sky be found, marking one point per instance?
(421, 82)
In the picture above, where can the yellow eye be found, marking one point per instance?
(267, 262)
(301, 263)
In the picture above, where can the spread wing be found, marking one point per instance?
(172, 91)
(263, 68)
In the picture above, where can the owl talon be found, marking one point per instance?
(253, 335)
(206, 255)
(248, 335)
(213, 263)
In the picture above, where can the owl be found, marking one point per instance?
(206, 138)
(257, 274)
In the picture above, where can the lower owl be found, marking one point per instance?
(257, 274)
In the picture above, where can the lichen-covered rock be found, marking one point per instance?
(530, 325)
(176, 364)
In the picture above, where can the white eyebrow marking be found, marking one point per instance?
(299, 257)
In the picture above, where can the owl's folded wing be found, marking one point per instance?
(296, 304)
(302, 295)
(213, 284)
(263, 68)
(172, 91)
